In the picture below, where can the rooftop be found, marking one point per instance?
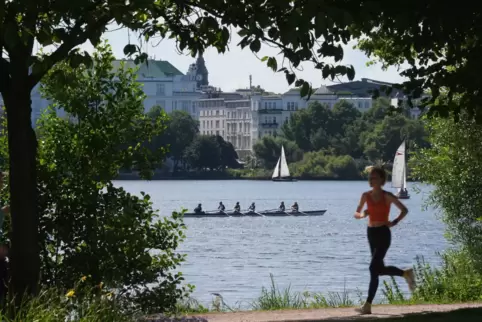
(151, 68)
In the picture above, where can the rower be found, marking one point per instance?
(198, 209)
(295, 207)
(282, 206)
(252, 208)
(221, 207)
(237, 208)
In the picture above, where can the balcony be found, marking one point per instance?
(270, 111)
(269, 125)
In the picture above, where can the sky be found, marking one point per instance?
(231, 70)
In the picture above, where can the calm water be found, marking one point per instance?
(235, 256)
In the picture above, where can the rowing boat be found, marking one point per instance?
(309, 213)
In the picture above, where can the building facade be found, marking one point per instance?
(163, 84)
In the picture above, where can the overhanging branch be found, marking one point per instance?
(77, 37)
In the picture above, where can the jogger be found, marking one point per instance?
(379, 239)
(378, 232)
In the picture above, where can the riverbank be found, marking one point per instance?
(227, 175)
(467, 312)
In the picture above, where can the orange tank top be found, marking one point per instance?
(379, 210)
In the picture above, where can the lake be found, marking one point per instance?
(235, 256)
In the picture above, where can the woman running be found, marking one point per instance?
(379, 236)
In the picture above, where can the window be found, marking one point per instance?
(287, 119)
(174, 105)
(359, 105)
(217, 124)
(367, 104)
(217, 112)
(265, 104)
(269, 105)
(185, 106)
(274, 119)
(295, 105)
(160, 89)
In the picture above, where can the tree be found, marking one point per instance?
(453, 166)
(441, 60)
(181, 131)
(65, 26)
(268, 150)
(204, 153)
(320, 28)
(88, 226)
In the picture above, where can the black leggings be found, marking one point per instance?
(379, 239)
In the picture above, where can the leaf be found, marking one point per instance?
(290, 77)
(255, 45)
(350, 72)
(265, 58)
(130, 49)
(305, 89)
(272, 63)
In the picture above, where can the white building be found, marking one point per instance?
(163, 84)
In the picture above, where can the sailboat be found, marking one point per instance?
(399, 173)
(281, 172)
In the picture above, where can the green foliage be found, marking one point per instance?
(268, 150)
(181, 131)
(211, 152)
(453, 166)
(276, 299)
(333, 139)
(89, 227)
(57, 306)
(321, 166)
(457, 280)
(440, 61)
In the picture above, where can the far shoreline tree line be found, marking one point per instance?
(320, 143)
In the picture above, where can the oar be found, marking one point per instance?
(224, 213)
(254, 212)
(211, 211)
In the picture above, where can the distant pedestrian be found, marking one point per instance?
(379, 235)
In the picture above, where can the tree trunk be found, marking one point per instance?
(22, 148)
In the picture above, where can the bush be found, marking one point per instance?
(457, 280)
(321, 166)
(89, 227)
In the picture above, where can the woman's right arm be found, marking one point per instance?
(358, 213)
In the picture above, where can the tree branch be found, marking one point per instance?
(77, 37)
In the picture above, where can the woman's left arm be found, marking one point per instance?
(403, 210)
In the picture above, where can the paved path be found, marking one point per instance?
(342, 314)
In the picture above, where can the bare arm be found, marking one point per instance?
(403, 210)
(6, 209)
(358, 213)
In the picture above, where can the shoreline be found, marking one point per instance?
(220, 176)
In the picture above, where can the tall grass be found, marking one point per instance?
(457, 280)
(52, 306)
(276, 299)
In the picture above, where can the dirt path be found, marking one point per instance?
(381, 311)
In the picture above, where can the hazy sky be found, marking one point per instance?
(231, 70)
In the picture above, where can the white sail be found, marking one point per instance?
(284, 170)
(276, 170)
(398, 171)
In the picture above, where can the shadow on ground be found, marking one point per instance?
(461, 315)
